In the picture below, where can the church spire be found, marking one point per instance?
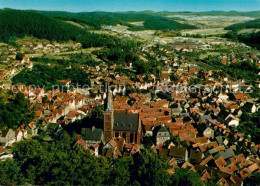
(109, 99)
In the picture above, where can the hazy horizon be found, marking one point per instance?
(129, 10)
(133, 5)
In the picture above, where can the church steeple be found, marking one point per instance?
(108, 115)
(109, 107)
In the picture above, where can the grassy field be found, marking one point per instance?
(75, 24)
(249, 30)
(66, 55)
(140, 23)
(29, 40)
(205, 32)
(202, 56)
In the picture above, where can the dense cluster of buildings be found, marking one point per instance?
(192, 127)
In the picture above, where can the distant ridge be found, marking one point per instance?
(152, 20)
(18, 23)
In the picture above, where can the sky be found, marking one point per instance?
(132, 5)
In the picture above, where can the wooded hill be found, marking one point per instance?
(249, 24)
(20, 23)
(96, 20)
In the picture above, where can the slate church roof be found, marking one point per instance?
(126, 122)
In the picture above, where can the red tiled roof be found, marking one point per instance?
(253, 167)
(244, 173)
(206, 176)
(220, 162)
(240, 96)
(2, 149)
(205, 161)
(31, 125)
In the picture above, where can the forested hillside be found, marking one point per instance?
(14, 112)
(19, 23)
(249, 24)
(98, 19)
(44, 76)
(162, 23)
(252, 39)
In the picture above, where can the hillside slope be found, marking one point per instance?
(249, 24)
(18, 23)
(98, 19)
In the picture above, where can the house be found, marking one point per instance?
(109, 149)
(82, 143)
(238, 96)
(206, 176)
(232, 121)
(205, 118)
(24, 133)
(226, 154)
(162, 135)
(92, 135)
(223, 96)
(223, 181)
(18, 135)
(7, 136)
(179, 153)
(195, 156)
(96, 149)
(208, 132)
(189, 166)
(236, 180)
(31, 129)
(30, 65)
(25, 60)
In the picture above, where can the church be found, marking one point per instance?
(124, 125)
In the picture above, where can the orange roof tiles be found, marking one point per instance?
(244, 173)
(2, 149)
(205, 161)
(238, 159)
(253, 167)
(206, 176)
(220, 162)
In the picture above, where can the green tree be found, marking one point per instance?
(186, 177)
(118, 172)
(10, 174)
(15, 112)
(149, 169)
